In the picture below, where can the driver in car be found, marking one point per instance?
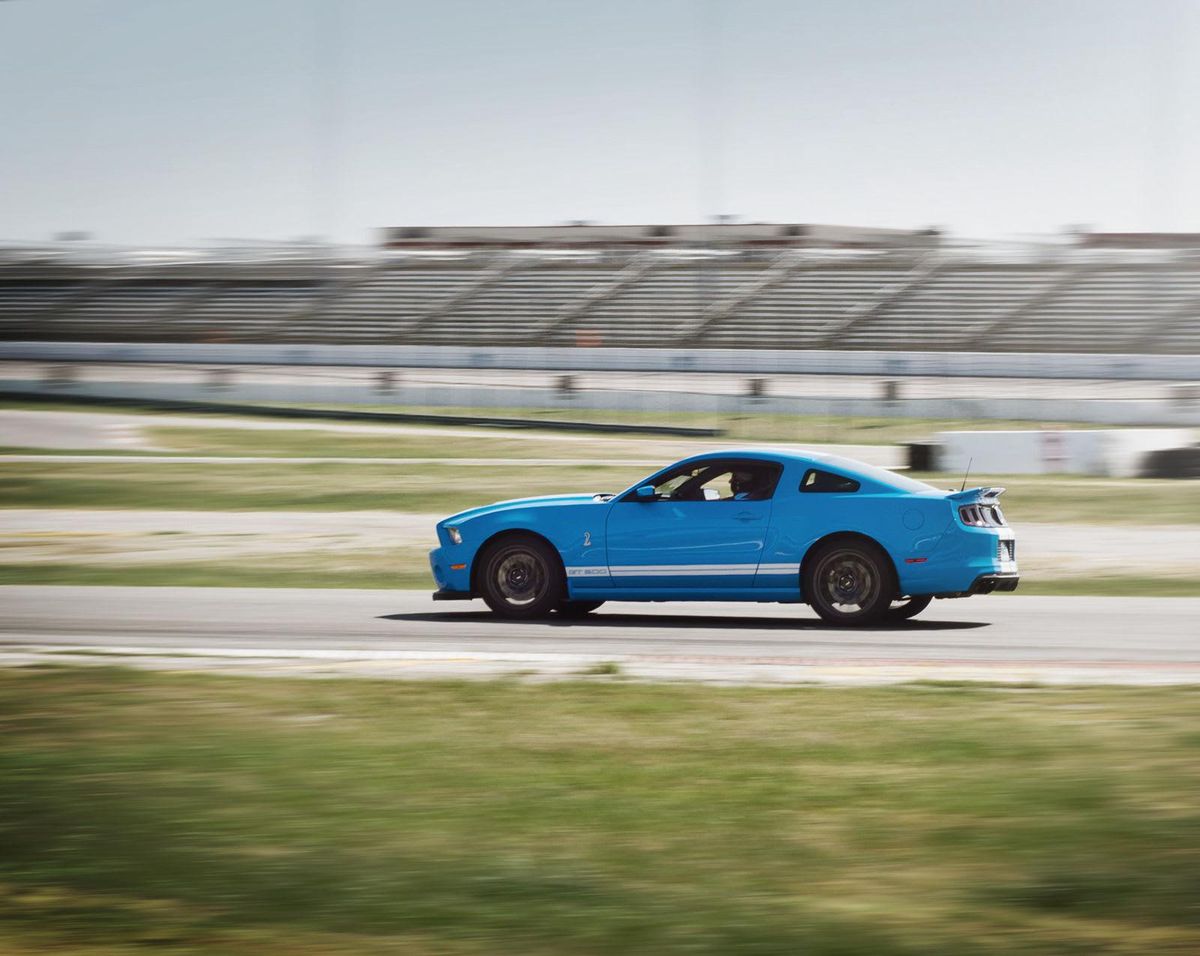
(745, 485)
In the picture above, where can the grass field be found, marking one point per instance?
(291, 487)
(401, 568)
(860, 430)
(750, 426)
(444, 489)
(186, 814)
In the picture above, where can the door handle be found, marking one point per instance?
(748, 516)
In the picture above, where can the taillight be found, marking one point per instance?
(981, 516)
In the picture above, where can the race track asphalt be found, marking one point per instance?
(379, 633)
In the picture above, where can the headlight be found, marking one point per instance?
(455, 534)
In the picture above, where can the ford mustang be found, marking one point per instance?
(858, 543)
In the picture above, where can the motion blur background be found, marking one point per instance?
(899, 228)
(284, 282)
(912, 211)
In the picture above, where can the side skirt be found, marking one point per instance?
(756, 595)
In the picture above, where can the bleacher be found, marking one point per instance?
(885, 297)
(806, 308)
(666, 296)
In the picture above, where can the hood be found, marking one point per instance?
(544, 501)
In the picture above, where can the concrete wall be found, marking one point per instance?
(1106, 452)
(889, 364)
(1092, 411)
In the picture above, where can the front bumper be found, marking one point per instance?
(447, 595)
(451, 573)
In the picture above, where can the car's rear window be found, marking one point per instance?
(816, 480)
(881, 475)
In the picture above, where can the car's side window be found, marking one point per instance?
(720, 481)
(670, 484)
(815, 480)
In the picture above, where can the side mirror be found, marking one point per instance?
(645, 493)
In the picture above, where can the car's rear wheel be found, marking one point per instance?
(904, 608)
(849, 582)
(521, 577)
(577, 608)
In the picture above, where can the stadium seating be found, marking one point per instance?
(747, 299)
(805, 309)
(665, 299)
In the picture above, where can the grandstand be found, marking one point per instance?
(728, 286)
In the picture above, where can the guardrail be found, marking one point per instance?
(743, 361)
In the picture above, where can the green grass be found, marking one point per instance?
(444, 489)
(1113, 585)
(1079, 500)
(441, 489)
(306, 443)
(750, 426)
(736, 427)
(403, 568)
(190, 814)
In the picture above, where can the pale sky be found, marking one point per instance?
(176, 121)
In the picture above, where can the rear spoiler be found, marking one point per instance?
(976, 494)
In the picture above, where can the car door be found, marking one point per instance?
(696, 532)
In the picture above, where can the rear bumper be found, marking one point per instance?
(987, 583)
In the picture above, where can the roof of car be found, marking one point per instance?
(845, 466)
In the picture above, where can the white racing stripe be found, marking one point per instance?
(592, 572)
(679, 570)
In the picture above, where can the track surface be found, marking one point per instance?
(406, 634)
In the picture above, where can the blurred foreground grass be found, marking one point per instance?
(200, 814)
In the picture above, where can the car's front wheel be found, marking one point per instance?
(520, 577)
(849, 582)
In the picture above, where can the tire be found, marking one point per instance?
(904, 608)
(521, 578)
(849, 582)
(578, 608)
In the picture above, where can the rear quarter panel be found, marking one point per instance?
(906, 525)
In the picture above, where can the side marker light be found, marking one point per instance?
(457, 567)
(915, 560)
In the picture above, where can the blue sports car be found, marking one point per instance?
(858, 543)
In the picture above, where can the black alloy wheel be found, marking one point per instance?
(849, 582)
(521, 578)
(904, 608)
